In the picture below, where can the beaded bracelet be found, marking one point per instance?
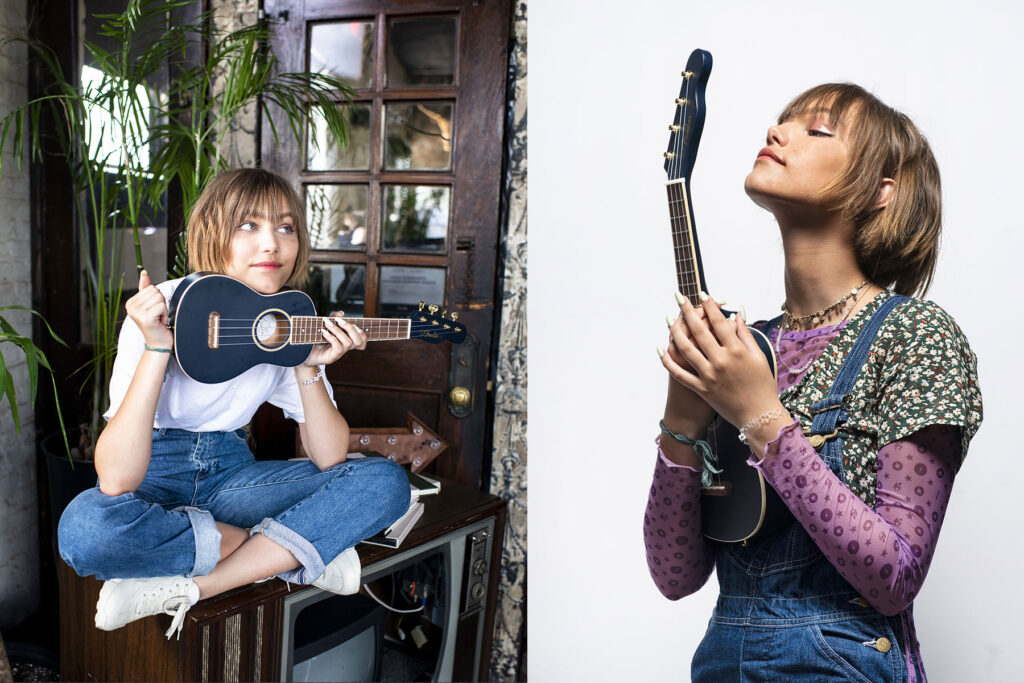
(762, 419)
(314, 379)
(701, 448)
(150, 348)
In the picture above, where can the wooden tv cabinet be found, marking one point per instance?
(237, 636)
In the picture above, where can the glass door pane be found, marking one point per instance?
(403, 288)
(421, 51)
(418, 136)
(323, 153)
(336, 216)
(415, 218)
(338, 288)
(343, 50)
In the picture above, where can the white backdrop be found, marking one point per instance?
(602, 82)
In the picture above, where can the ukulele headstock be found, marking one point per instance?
(688, 123)
(431, 327)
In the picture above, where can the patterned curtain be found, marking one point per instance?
(508, 473)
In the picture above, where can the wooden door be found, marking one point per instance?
(409, 209)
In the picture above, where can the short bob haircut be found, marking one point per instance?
(897, 245)
(229, 199)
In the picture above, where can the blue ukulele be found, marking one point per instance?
(738, 504)
(222, 327)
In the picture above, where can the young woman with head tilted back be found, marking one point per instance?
(182, 511)
(855, 190)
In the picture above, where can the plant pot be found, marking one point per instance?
(67, 478)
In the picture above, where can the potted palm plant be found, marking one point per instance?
(34, 359)
(127, 140)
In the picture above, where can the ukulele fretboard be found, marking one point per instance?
(685, 248)
(309, 329)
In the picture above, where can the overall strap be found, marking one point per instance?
(771, 325)
(831, 411)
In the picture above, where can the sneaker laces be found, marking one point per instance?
(178, 622)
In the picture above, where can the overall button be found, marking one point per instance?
(883, 645)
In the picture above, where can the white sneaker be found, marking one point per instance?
(342, 575)
(125, 600)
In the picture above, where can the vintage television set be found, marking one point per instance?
(271, 631)
(434, 598)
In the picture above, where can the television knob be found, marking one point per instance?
(477, 591)
(479, 567)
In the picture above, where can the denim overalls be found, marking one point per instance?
(784, 612)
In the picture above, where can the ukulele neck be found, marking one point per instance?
(308, 329)
(689, 271)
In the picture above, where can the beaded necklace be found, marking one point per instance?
(789, 321)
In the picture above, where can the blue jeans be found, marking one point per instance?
(195, 479)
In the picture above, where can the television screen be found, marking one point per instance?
(338, 638)
(353, 660)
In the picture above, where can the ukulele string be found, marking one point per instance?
(306, 343)
(681, 227)
(416, 327)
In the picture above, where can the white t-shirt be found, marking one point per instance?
(187, 404)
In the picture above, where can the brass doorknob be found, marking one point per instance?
(459, 396)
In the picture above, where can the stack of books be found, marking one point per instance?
(419, 486)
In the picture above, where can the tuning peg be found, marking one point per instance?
(680, 101)
(674, 127)
(432, 308)
(444, 312)
(455, 315)
(669, 155)
(422, 304)
(686, 74)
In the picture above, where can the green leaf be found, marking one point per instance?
(7, 389)
(32, 363)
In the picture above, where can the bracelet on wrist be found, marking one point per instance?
(157, 349)
(759, 421)
(701, 448)
(314, 379)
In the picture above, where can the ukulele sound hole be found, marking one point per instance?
(270, 331)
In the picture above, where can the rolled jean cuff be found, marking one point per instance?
(311, 564)
(207, 541)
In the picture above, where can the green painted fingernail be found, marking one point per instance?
(703, 296)
(680, 299)
(660, 352)
(669, 320)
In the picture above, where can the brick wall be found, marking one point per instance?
(19, 561)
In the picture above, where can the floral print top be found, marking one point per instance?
(920, 371)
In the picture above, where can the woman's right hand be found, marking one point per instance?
(149, 310)
(685, 411)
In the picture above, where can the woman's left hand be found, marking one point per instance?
(342, 336)
(729, 370)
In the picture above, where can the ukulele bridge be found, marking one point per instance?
(721, 489)
(213, 331)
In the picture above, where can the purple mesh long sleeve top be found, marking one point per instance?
(883, 552)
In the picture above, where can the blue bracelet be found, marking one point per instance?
(150, 348)
(701, 448)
